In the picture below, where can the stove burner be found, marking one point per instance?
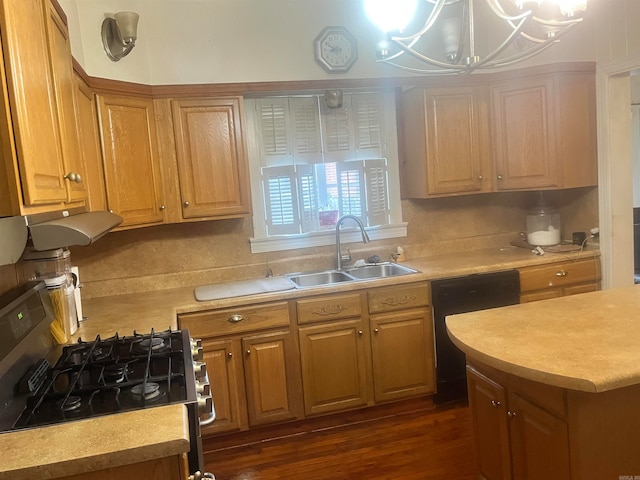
(145, 391)
(73, 403)
(115, 373)
(155, 343)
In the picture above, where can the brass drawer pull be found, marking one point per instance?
(398, 300)
(562, 273)
(495, 403)
(235, 318)
(330, 310)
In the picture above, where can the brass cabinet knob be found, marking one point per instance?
(360, 332)
(229, 355)
(235, 318)
(73, 177)
(479, 177)
(162, 207)
(248, 352)
(495, 403)
(375, 330)
(499, 177)
(110, 211)
(562, 273)
(512, 414)
(186, 204)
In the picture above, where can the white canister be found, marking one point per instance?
(543, 227)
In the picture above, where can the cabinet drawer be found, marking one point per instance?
(235, 320)
(332, 307)
(398, 297)
(559, 274)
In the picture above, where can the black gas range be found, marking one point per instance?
(41, 384)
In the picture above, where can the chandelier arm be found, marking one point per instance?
(433, 16)
(503, 46)
(557, 23)
(429, 60)
(500, 13)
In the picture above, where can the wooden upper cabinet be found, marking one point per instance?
(34, 126)
(524, 127)
(446, 141)
(212, 163)
(132, 170)
(62, 69)
(577, 136)
(89, 138)
(520, 132)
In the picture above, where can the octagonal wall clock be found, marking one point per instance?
(336, 50)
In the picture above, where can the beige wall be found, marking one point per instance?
(207, 252)
(225, 41)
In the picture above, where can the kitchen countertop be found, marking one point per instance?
(94, 444)
(78, 449)
(586, 342)
(159, 309)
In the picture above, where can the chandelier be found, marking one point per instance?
(461, 36)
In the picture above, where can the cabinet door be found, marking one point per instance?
(402, 354)
(60, 51)
(87, 119)
(455, 144)
(525, 134)
(488, 402)
(272, 382)
(211, 157)
(539, 442)
(224, 366)
(334, 366)
(32, 99)
(130, 154)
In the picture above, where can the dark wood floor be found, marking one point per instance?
(419, 442)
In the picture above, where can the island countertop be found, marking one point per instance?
(586, 342)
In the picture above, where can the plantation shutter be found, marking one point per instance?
(337, 132)
(351, 193)
(308, 198)
(368, 115)
(305, 119)
(281, 206)
(377, 191)
(273, 120)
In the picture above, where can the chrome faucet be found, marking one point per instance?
(339, 256)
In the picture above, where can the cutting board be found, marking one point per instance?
(241, 288)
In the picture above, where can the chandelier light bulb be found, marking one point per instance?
(571, 7)
(391, 15)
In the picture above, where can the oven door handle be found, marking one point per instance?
(210, 418)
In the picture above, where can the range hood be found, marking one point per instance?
(68, 228)
(13, 239)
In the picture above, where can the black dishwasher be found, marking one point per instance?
(461, 295)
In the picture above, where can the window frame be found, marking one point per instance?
(261, 242)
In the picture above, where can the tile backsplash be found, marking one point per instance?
(190, 254)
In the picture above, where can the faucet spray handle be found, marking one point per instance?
(346, 257)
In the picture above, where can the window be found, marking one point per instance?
(311, 164)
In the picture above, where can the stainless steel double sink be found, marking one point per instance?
(352, 274)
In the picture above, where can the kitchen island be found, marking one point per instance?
(554, 386)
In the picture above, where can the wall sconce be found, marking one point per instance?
(119, 34)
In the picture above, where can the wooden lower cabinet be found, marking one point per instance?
(514, 437)
(167, 468)
(334, 358)
(252, 363)
(366, 347)
(559, 279)
(402, 354)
